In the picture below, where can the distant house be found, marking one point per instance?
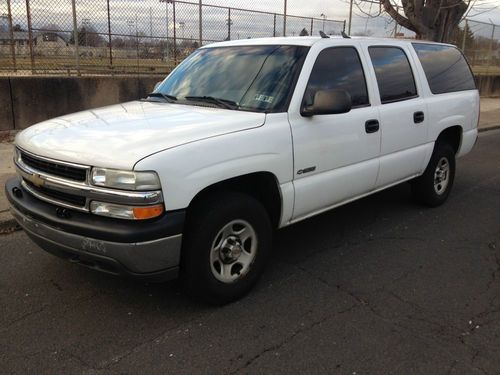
(50, 39)
(44, 43)
(21, 38)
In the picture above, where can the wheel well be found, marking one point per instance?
(263, 186)
(452, 136)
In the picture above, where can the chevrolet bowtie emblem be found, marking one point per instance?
(37, 180)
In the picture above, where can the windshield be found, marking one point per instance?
(254, 78)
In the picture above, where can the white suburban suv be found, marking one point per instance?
(241, 138)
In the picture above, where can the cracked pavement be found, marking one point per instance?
(379, 286)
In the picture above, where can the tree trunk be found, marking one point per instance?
(430, 19)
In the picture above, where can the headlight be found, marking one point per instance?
(126, 212)
(126, 180)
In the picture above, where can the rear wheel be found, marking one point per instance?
(434, 186)
(226, 246)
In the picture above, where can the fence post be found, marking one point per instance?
(466, 27)
(284, 20)
(229, 23)
(312, 20)
(30, 36)
(490, 49)
(175, 34)
(350, 18)
(11, 35)
(75, 38)
(137, 45)
(200, 12)
(109, 41)
(343, 27)
(274, 27)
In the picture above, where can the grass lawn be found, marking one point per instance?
(88, 65)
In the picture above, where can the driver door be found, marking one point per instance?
(335, 156)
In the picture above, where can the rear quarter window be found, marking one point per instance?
(445, 68)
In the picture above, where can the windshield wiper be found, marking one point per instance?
(167, 97)
(223, 103)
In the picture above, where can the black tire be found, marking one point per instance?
(205, 221)
(423, 187)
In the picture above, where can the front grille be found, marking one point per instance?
(56, 169)
(58, 195)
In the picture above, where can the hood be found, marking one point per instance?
(118, 136)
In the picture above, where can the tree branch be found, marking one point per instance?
(400, 19)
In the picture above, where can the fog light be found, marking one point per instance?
(126, 212)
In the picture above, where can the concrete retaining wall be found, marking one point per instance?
(6, 115)
(24, 101)
(488, 85)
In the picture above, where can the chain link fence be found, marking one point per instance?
(102, 37)
(480, 42)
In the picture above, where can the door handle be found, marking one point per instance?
(418, 117)
(372, 126)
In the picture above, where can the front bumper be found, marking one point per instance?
(147, 250)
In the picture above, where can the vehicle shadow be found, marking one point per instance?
(292, 245)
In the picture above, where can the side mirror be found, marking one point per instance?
(156, 85)
(328, 102)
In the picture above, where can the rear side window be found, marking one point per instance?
(445, 68)
(339, 68)
(394, 75)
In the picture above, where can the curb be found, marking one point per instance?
(9, 226)
(494, 127)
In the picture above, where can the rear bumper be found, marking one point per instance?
(147, 250)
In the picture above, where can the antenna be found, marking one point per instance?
(323, 35)
(344, 35)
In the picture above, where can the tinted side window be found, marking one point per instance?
(394, 75)
(445, 68)
(339, 68)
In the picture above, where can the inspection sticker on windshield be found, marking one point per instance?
(264, 98)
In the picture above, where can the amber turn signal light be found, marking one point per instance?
(148, 212)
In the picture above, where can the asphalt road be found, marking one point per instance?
(378, 286)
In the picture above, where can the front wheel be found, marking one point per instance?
(434, 186)
(226, 246)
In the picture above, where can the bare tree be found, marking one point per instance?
(429, 19)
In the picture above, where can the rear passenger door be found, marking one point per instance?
(402, 111)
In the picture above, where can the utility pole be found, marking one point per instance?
(182, 25)
(130, 24)
(490, 49)
(466, 28)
